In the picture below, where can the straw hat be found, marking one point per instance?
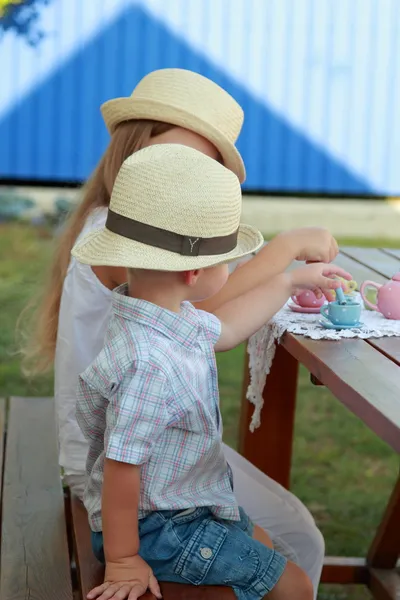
(188, 100)
(172, 209)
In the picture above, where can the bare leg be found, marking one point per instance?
(294, 583)
(262, 536)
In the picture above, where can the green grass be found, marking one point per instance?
(341, 470)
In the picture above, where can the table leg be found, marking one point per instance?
(270, 447)
(385, 548)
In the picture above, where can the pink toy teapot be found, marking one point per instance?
(388, 299)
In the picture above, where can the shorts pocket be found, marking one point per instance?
(201, 550)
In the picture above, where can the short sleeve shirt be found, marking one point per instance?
(151, 398)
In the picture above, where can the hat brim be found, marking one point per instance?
(125, 109)
(105, 248)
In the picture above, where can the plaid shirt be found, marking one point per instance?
(151, 398)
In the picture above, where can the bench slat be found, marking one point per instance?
(91, 572)
(2, 441)
(34, 551)
(2, 438)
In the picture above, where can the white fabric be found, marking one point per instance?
(262, 345)
(83, 320)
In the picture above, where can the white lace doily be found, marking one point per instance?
(262, 345)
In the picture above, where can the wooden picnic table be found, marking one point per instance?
(365, 376)
(45, 538)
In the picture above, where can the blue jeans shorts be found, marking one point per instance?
(195, 547)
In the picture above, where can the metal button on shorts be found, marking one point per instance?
(206, 553)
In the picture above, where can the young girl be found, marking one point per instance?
(160, 496)
(167, 106)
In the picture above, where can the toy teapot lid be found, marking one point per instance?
(396, 277)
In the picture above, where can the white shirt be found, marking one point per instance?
(83, 320)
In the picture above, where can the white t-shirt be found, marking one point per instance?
(83, 320)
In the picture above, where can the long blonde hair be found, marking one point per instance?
(129, 136)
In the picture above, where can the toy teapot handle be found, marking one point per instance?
(362, 288)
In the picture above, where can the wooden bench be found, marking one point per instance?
(43, 530)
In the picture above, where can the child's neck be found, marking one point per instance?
(164, 291)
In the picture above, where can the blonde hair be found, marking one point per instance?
(129, 137)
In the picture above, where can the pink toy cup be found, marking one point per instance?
(307, 299)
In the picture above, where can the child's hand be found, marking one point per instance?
(129, 578)
(312, 244)
(318, 277)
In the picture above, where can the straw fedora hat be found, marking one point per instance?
(185, 99)
(172, 209)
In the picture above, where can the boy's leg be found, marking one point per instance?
(262, 536)
(280, 513)
(294, 583)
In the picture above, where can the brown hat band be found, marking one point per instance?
(168, 240)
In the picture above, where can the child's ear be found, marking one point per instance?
(190, 277)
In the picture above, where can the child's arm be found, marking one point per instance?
(308, 244)
(243, 316)
(127, 574)
(138, 413)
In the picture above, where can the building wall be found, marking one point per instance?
(319, 81)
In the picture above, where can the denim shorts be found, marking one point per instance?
(195, 547)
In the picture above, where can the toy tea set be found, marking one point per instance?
(345, 312)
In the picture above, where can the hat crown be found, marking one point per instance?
(194, 94)
(178, 189)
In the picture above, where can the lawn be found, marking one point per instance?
(341, 470)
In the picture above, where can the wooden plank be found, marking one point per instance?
(385, 548)
(384, 585)
(91, 572)
(359, 272)
(392, 252)
(34, 551)
(360, 377)
(176, 591)
(340, 570)
(2, 441)
(374, 258)
(389, 346)
(270, 446)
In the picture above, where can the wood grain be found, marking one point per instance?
(385, 548)
(363, 379)
(392, 252)
(373, 258)
(176, 591)
(270, 446)
(358, 271)
(34, 551)
(384, 585)
(389, 346)
(340, 570)
(2, 441)
(90, 571)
